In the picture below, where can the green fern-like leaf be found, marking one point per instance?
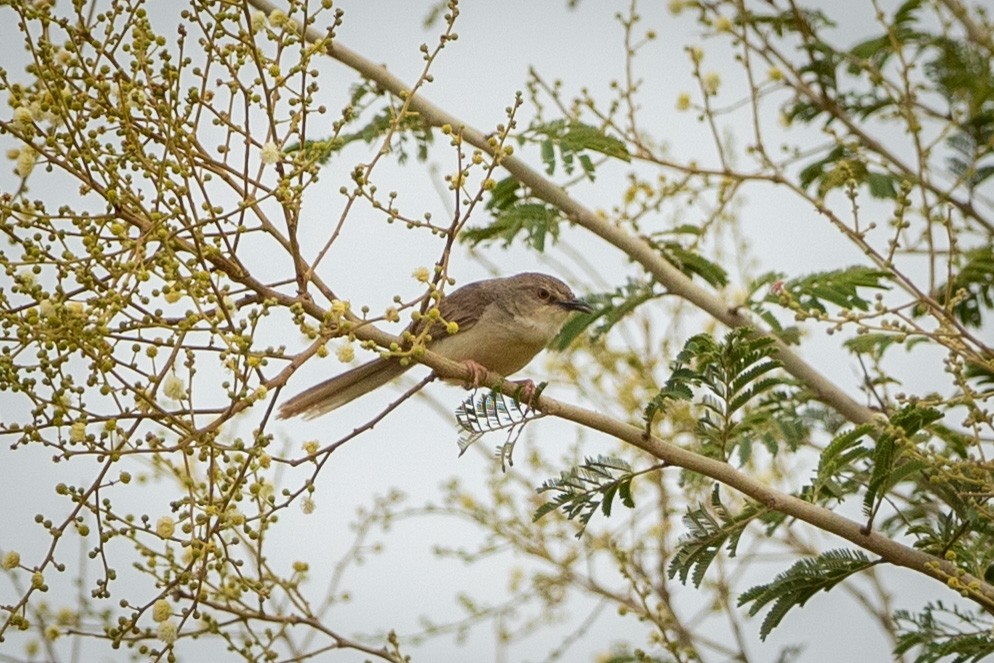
(693, 264)
(840, 287)
(594, 485)
(679, 387)
(886, 457)
(407, 129)
(807, 577)
(972, 287)
(573, 139)
(736, 388)
(710, 528)
(610, 308)
(838, 460)
(536, 221)
(944, 633)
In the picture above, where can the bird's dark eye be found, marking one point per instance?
(544, 294)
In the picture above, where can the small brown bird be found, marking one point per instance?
(503, 323)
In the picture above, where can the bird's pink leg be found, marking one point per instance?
(477, 372)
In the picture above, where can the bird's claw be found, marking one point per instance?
(525, 393)
(477, 372)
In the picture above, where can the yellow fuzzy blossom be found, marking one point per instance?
(173, 294)
(77, 432)
(26, 158)
(711, 82)
(339, 308)
(11, 560)
(270, 153)
(23, 116)
(173, 387)
(165, 527)
(258, 21)
(47, 309)
(161, 610)
(167, 632)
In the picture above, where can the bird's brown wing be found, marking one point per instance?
(464, 306)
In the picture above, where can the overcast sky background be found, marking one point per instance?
(414, 450)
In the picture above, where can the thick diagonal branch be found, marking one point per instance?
(632, 246)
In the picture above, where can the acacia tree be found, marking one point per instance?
(144, 317)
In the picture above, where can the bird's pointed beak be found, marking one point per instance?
(576, 305)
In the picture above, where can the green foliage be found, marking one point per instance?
(838, 471)
(967, 153)
(941, 633)
(847, 464)
(807, 577)
(609, 309)
(962, 533)
(407, 129)
(839, 287)
(876, 344)
(581, 490)
(726, 376)
(759, 300)
(137, 314)
(889, 465)
(693, 264)
(814, 292)
(514, 212)
(959, 71)
(982, 375)
(842, 165)
(573, 139)
(537, 221)
(962, 73)
(878, 50)
(710, 528)
(971, 290)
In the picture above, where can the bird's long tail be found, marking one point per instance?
(339, 390)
